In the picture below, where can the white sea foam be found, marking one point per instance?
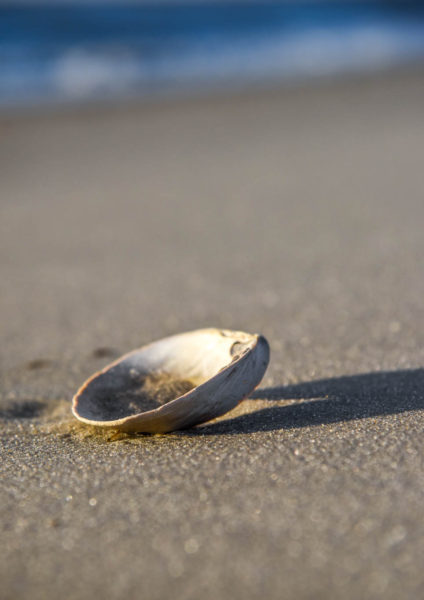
(83, 73)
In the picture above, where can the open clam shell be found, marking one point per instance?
(174, 383)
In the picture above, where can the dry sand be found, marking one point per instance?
(298, 214)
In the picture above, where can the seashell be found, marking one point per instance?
(174, 383)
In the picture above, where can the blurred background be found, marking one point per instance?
(76, 51)
(152, 141)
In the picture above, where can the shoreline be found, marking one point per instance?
(242, 93)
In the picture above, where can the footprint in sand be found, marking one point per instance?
(24, 409)
(39, 363)
(105, 352)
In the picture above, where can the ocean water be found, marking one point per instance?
(77, 53)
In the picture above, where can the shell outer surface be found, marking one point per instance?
(174, 383)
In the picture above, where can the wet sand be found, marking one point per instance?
(296, 213)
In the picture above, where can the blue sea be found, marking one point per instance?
(57, 53)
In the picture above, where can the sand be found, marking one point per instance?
(294, 213)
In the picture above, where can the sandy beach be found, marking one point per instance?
(294, 213)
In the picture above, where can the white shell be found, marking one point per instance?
(202, 374)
